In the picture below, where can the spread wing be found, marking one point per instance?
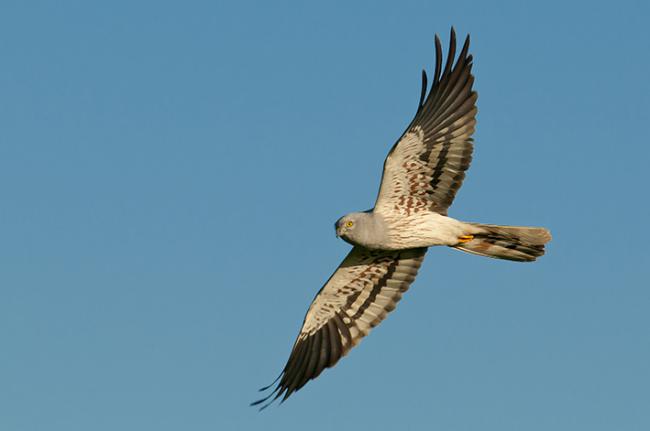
(361, 292)
(426, 167)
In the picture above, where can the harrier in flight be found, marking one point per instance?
(422, 173)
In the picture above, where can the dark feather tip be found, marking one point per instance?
(423, 93)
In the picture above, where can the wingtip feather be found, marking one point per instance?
(423, 92)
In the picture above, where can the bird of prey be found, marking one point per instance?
(422, 173)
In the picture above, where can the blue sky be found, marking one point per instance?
(169, 177)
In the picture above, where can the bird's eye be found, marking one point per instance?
(349, 224)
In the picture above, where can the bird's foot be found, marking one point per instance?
(465, 238)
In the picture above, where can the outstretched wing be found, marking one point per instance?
(365, 287)
(426, 167)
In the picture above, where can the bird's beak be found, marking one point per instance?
(338, 232)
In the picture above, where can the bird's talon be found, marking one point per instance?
(465, 238)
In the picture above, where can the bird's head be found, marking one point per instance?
(343, 225)
(350, 227)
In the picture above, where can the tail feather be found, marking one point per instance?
(518, 243)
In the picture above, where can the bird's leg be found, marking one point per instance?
(465, 238)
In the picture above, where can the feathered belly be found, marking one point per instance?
(424, 230)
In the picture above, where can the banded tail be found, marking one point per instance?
(518, 243)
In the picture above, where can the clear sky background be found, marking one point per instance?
(169, 177)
